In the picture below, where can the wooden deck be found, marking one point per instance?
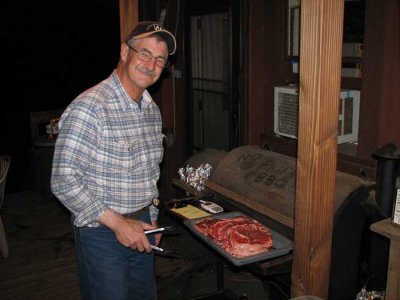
(41, 264)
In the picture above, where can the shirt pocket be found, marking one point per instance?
(131, 155)
(117, 155)
(154, 149)
(148, 151)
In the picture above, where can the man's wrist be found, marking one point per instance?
(111, 219)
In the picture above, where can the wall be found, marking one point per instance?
(268, 66)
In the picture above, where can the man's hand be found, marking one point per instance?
(129, 233)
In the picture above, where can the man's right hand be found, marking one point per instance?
(130, 233)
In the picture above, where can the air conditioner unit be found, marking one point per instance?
(286, 108)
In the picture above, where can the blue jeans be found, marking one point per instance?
(108, 270)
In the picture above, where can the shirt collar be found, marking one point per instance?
(125, 100)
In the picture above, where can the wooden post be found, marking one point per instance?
(320, 73)
(128, 16)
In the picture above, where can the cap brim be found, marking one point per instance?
(167, 36)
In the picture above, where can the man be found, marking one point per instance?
(106, 168)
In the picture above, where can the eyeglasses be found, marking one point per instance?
(145, 56)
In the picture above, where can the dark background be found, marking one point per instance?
(51, 52)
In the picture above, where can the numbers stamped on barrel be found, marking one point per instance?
(266, 172)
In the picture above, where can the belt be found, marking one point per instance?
(136, 214)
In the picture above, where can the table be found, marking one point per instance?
(392, 232)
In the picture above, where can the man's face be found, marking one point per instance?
(142, 73)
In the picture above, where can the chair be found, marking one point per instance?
(5, 161)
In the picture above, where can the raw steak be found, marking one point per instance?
(239, 236)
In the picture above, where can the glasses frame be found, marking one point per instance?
(143, 55)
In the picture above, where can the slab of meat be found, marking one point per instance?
(239, 236)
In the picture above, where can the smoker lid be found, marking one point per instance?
(265, 180)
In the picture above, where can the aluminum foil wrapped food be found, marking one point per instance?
(195, 177)
(370, 295)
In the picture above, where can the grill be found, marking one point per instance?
(261, 184)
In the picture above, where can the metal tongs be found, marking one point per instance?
(157, 230)
(166, 230)
(167, 253)
(159, 250)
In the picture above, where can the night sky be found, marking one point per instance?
(51, 52)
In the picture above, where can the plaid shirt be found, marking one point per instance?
(107, 153)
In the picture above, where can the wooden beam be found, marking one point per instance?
(320, 72)
(128, 16)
